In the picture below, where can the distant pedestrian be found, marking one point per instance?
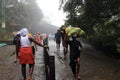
(64, 39)
(26, 56)
(38, 37)
(45, 39)
(75, 50)
(15, 39)
(34, 46)
(57, 38)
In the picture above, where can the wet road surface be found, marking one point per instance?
(95, 65)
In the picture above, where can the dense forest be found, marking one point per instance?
(100, 19)
(19, 13)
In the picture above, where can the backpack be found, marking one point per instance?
(15, 39)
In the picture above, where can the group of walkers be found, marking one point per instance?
(75, 49)
(25, 50)
(26, 45)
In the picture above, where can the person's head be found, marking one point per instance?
(18, 32)
(63, 27)
(58, 30)
(38, 33)
(24, 32)
(74, 36)
(34, 36)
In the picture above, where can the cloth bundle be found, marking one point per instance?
(74, 30)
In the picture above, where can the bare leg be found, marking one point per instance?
(65, 51)
(57, 46)
(78, 68)
(15, 56)
(31, 69)
(23, 69)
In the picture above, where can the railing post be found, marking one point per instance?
(52, 67)
(49, 63)
(46, 62)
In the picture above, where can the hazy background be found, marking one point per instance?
(52, 18)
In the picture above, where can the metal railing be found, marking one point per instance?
(8, 42)
(49, 61)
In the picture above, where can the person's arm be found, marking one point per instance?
(80, 46)
(31, 39)
(35, 38)
(65, 36)
(17, 47)
(35, 46)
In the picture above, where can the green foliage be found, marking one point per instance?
(22, 14)
(25, 13)
(100, 19)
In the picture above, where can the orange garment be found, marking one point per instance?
(26, 55)
(38, 39)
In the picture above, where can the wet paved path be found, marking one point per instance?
(39, 72)
(63, 71)
(12, 71)
(95, 65)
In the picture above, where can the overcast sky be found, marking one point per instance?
(51, 12)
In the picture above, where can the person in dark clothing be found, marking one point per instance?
(75, 50)
(15, 39)
(34, 46)
(57, 38)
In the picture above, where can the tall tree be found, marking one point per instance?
(22, 13)
(96, 17)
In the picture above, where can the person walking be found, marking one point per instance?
(45, 39)
(64, 39)
(57, 38)
(38, 37)
(15, 39)
(34, 46)
(75, 50)
(26, 56)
